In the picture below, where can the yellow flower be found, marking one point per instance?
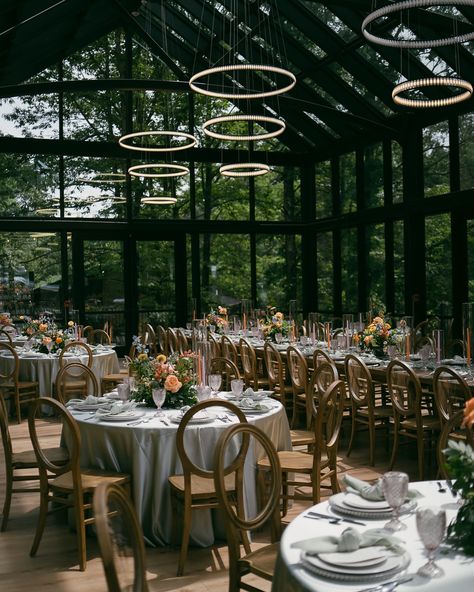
(142, 357)
(387, 326)
(279, 315)
(378, 321)
(161, 359)
(70, 324)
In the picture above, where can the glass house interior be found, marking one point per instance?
(366, 202)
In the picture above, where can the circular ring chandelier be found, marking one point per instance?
(426, 82)
(281, 126)
(191, 141)
(414, 43)
(177, 170)
(241, 94)
(104, 178)
(47, 211)
(158, 201)
(41, 234)
(243, 169)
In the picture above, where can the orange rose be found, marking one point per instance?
(46, 340)
(469, 413)
(43, 327)
(172, 384)
(59, 339)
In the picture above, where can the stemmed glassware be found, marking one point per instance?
(49, 346)
(278, 337)
(395, 489)
(431, 526)
(159, 396)
(215, 382)
(237, 387)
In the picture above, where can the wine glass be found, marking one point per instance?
(431, 526)
(278, 337)
(202, 392)
(215, 381)
(237, 386)
(159, 396)
(395, 489)
(49, 346)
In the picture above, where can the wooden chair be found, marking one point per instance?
(405, 393)
(7, 336)
(260, 562)
(75, 380)
(298, 371)
(214, 345)
(229, 350)
(276, 372)
(13, 389)
(120, 540)
(172, 341)
(87, 332)
(321, 463)
(248, 358)
(99, 337)
(365, 413)
(162, 340)
(451, 392)
(75, 347)
(19, 462)
(452, 430)
(69, 486)
(226, 368)
(194, 489)
(320, 356)
(149, 339)
(183, 345)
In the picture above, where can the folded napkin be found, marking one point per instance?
(350, 540)
(373, 492)
(249, 392)
(89, 400)
(117, 409)
(248, 403)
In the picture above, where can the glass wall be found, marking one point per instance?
(436, 159)
(349, 269)
(324, 271)
(438, 263)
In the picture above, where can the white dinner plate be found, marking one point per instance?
(353, 500)
(364, 557)
(337, 504)
(126, 416)
(391, 566)
(454, 361)
(197, 419)
(88, 407)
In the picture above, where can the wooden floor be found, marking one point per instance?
(55, 566)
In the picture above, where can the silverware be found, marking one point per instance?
(335, 519)
(388, 586)
(441, 489)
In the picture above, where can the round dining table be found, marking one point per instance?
(43, 368)
(292, 576)
(147, 452)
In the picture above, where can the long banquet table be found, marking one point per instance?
(290, 576)
(147, 451)
(43, 368)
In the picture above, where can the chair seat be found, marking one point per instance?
(261, 562)
(22, 385)
(294, 460)
(302, 437)
(27, 458)
(200, 486)
(379, 412)
(117, 377)
(90, 480)
(428, 423)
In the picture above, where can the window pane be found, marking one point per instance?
(324, 271)
(438, 262)
(349, 273)
(323, 189)
(373, 175)
(277, 195)
(218, 197)
(397, 172)
(30, 273)
(436, 159)
(278, 270)
(470, 253)
(466, 150)
(399, 267)
(225, 269)
(375, 234)
(347, 169)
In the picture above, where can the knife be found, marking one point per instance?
(327, 517)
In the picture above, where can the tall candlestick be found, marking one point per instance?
(407, 347)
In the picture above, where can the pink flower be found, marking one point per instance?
(172, 384)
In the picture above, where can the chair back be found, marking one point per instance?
(12, 371)
(404, 388)
(87, 332)
(6, 334)
(162, 340)
(6, 438)
(275, 368)
(236, 522)
(149, 338)
(74, 346)
(172, 341)
(359, 382)
(47, 464)
(248, 358)
(182, 341)
(120, 539)
(298, 368)
(452, 430)
(327, 425)
(451, 392)
(214, 344)
(75, 379)
(229, 349)
(321, 379)
(226, 368)
(99, 336)
(189, 467)
(320, 356)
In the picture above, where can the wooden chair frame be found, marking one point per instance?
(299, 374)
(12, 388)
(99, 336)
(447, 404)
(229, 350)
(75, 345)
(82, 377)
(183, 345)
(172, 341)
(225, 367)
(162, 340)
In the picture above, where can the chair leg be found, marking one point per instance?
(284, 489)
(43, 512)
(395, 443)
(420, 451)
(8, 500)
(81, 532)
(17, 408)
(371, 441)
(184, 538)
(353, 431)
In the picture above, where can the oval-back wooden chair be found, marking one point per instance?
(75, 380)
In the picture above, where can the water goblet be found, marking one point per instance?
(215, 381)
(159, 396)
(131, 383)
(202, 392)
(431, 526)
(278, 337)
(237, 387)
(49, 346)
(395, 489)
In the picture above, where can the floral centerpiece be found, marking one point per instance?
(5, 319)
(273, 322)
(218, 319)
(48, 337)
(460, 465)
(377, 336)
(175, 374)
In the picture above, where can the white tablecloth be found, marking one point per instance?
(43, 368)
(148, 452)
(459, 569)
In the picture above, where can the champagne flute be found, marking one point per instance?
(431, 526)
(395, 489)
(159, 396)
(215, 382)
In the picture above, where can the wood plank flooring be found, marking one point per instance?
(55, 566)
